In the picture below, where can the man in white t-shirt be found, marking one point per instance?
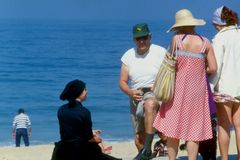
(138, 71)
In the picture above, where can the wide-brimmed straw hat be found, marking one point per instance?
(185, 18)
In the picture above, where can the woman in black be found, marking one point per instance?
(77, 139)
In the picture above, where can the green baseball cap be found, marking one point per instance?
(140, 30)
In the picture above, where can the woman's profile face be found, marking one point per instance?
(83, 96)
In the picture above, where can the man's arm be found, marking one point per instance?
(123, 84)
(13, 131)
(30, 130)
(29, 127)
(14, 128)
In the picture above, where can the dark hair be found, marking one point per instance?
(20, 110)
(73, 90)
(229, 16)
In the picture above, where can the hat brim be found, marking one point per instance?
(142, 34)
(193, 22)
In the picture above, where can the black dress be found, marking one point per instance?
(76, 131)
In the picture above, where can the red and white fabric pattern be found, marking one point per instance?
(187, 115)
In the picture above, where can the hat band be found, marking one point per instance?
(188, 23)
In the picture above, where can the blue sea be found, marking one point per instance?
(37, 59)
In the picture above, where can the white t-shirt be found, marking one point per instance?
(226, 46)
(143, 68)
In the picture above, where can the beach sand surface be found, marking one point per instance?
(125, 150)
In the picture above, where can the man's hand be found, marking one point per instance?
(29, 133)
(13, 134)
(136, 95)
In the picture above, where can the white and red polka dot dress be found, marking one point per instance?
(187, 115)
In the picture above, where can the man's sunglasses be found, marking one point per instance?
(142, 38)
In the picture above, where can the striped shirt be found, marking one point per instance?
(21, 121)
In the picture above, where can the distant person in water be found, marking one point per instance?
(78, 139)
(21, 128)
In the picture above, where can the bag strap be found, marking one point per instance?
(179, 41)
(174, 47)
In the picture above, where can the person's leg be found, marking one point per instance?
(150, 110)
(213, 146)
(18, 138)
(224, 114)
(139, 140)
(213, 150)
(208, 148)
(236, 123)
(204, 149)
(138, 125)
(192, 149)
(172, 145)
(25, 137)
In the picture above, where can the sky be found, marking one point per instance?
(109, 9)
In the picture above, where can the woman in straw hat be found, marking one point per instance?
(187, 115)
(226, 44)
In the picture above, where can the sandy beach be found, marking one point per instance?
(125, 150)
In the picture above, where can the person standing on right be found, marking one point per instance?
(187, 115)
(226, 81)
(21, 128)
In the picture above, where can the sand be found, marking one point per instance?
(125, 150)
